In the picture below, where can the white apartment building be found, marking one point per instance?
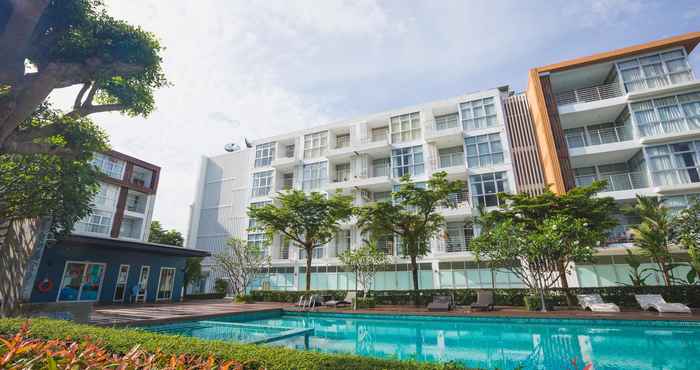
(630, 116)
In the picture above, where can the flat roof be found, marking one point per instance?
(115, 243)
(688, 40)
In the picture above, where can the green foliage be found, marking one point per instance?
(638, 275)
(193, 270)
(412, 216)
(653, 235)
(364, 302)
(121, 341)
(686, 234)
(244, 298)
(80, 31)
(309, 220)
(198, 296)
(241, 262)
(364, 262)
(43, 185)
(161, 236)
(534, 303)
(221, 286)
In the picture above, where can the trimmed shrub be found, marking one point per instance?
(198, 296)
(623, 296)
(221, 286)
(244, 298)
(534, 303)
(122, 341)
(364, 302)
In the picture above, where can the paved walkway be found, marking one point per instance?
(519, 312)
(123, 315)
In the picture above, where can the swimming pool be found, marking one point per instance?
(480, 341)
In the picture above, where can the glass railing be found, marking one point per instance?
(577, 138)
(589, 94)
(616, 182)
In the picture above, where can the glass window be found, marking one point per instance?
(264, 154)
(342, 172)
(458, 236)
(575, 137)
(407, 161)
(405, 127)
(381, 167)
(449, 157)
(166, 283)
(343, 241)
(142, 177)
(99, 222)
(111, 167)
(131, 227)
(342, 141)
(315, 176)
(121, 285)
(136, 201)
(262, 183)
(251, 221)
(259, 241)
(675, 163)
(484, 150)
(106, 197)
(447, 121)
(478, 114)
(655, 70)
(82, 281)
(486, 186)
(380, 133)
(315, 145)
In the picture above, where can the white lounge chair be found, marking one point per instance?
(657, 302)
(347, 301)
(595, 303)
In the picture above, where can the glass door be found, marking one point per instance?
(82, 281)
(143, 284)
(165, 283)
(122, 278)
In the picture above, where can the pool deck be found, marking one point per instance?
(517, 312)
(126, 315)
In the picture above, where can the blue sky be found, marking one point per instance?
(259, 68)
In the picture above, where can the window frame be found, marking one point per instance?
(486, 159)
(405, 127)
(403, 161)
(478, 187)
(264, 154)
(262, 180)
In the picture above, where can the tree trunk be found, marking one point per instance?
(16, 37)
(561, 266)
(19, 239)
(664, 271)
(309, 256)
(414, 270)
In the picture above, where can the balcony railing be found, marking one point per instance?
(590, 94)
(374, 139)
(617, 182)
(458, 200)
(449, 160)
(459, 243)
(606, 135)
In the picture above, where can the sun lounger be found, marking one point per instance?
(484, 301)
(441, 303)
(346, 301)
(657, 302)
(595, 303)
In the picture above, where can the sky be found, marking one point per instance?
(260, 68)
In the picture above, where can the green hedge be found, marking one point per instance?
(256, 356)
(193, 297)
(623, 296)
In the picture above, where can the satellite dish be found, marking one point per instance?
(232, 147)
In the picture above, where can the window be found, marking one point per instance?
(121, 285)
(284, 249)
(342, 172)
(166, 283)
(478, 114)
(655, 70)
(451, 157)
(385, 244)
(343, 239)
(262, 183)
(251, 221)
(131, 227)
(459, 234)
(136, 201)
(106, 197)
(315, 145)
(405, 127)
(258, 241)
(382, 196)
(143, 284)
(99, 222)
(342, 141)
(667, 115)
(288, 181)
(111, 167)
(484, 150)
(677, 203)
(486, 186)
(142, 177)
(380, 133)
(82, 281)
(675, 163)
(381, 167)
(289, 151)
(264, 154)
(408, 161)
(447, 121)
(315, 176)
(316, 253)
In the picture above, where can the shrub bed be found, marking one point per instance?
(248, 356)
(192, 297)
(623, 296)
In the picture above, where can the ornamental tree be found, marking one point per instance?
(240, 262)
(310, 220)
(686, 234)
(364, 263)
(51, 44)
(654, 234)
(412, 216)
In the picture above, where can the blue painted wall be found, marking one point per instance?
(55, 256)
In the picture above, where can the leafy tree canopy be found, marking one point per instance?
(161, 236)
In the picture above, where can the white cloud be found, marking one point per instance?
(257, 68)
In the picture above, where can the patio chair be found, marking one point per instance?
(345, 301)
(595, 303)
(441, 303)
(657, 302)
(484, 301)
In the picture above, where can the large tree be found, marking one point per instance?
(309, 220)
(161, 236)
(364, 262)
(686, 234)
(51, 44)
(580, 203)
(413, 216)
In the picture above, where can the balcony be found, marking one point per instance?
(375, 145)
(339, 152)
(590, 94)
(458, 207)
(449, 133)
(377, 183)
(617, 182)
(620, 234)
(452, 163)
(284, 163)
(585, 136)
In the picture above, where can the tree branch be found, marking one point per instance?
(15, 39)
(29, 148)
(91, 94)
(36, 133)
(85, 111)
(79, 99)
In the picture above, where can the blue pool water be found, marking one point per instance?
(505, 343)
